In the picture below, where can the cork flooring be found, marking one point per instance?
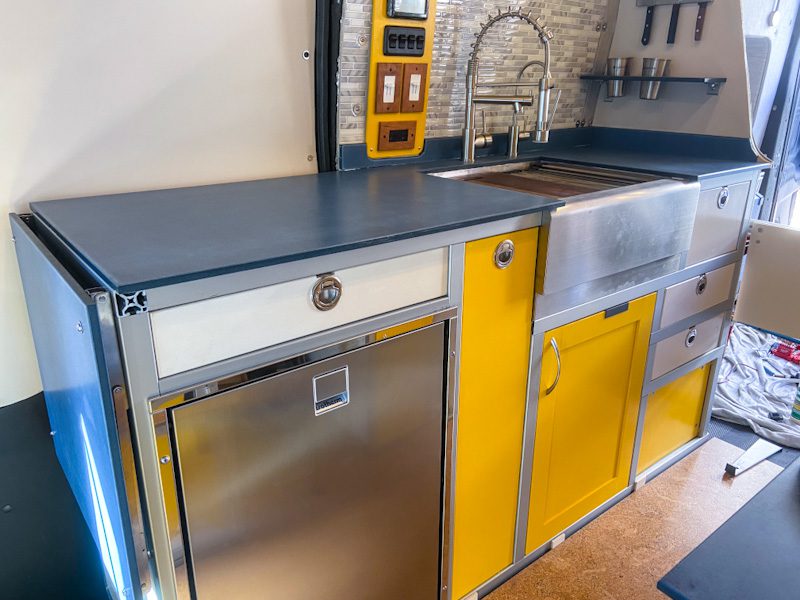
(622, 554)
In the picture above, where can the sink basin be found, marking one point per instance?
(547, 178)
(616, 230)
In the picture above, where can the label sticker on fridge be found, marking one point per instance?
(414, 87)
(388, 89)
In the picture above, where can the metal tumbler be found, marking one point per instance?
(616, 67)
(652, 67)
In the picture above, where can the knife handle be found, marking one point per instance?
(701, 19)
(648, 25)
(673, 23)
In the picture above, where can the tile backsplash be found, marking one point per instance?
(507, 47)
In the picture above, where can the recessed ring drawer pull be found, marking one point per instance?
(504, 254)
(702, 284)
(327, 292)
(722, 199)
(691, 337)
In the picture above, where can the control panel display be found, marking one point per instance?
(407, 9)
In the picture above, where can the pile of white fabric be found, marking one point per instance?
(753, 384)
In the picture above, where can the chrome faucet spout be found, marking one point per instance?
(541, 130)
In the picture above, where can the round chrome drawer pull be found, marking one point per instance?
(504, 254)
(722, 199)
(327, 292)
(691, 337)
(702, 284)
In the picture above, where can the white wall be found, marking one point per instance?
(779, 33)
(683, 107)
(104, 96)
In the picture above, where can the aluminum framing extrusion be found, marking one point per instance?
(457, 269)
(111, 352)
(136, 346)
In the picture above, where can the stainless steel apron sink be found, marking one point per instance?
(618, 228)
(547, 178)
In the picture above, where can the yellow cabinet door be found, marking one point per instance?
(585, 427)
(495, 347)
(672, 416)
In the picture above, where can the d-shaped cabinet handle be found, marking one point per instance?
(558, 367)
(504, 254)
(327, 292)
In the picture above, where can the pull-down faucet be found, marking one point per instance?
(541, 131)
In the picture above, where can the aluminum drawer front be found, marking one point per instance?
(280, 503)
(697, 294)
(193, 335)
(716, 230)
(673, 352)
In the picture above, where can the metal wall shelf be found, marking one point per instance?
(713, 83)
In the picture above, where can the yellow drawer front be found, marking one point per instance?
(585, 427)
(673, 416)
(495, 347)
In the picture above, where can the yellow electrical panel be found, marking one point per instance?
(495, 349)
(399, 74)
(593, 370)
(672, 416)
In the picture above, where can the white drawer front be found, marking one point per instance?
(192, 335)
(697, 294)
(718, 222)
(676, 350)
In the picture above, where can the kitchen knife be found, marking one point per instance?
(701, 19)
(648, 25)
(673, 23)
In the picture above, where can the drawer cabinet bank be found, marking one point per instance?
(449, 385)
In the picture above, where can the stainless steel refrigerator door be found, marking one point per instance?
(301, 486)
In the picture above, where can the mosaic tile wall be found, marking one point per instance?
(507, 47)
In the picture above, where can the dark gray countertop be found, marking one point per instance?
(753, 555)
(143, 240)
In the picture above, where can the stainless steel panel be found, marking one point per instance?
(281, 503)
(605, 234)
(717, 228)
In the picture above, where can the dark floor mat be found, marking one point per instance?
(46, 550)
(743, 437)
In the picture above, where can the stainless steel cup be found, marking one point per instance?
(616, 67)
(652, 67)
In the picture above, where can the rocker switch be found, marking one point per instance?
(403, 41)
